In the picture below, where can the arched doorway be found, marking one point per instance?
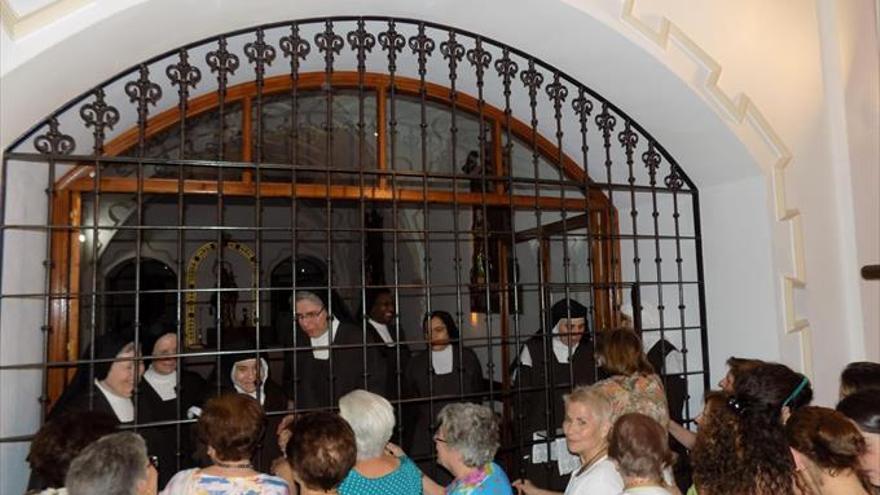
(156, 300)
(506, 185)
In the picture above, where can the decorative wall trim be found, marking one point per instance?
(743, 111)
(21, 25)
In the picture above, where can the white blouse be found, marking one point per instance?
(601, 478)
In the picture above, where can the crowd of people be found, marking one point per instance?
(592, 418)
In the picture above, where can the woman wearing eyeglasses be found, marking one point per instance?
(467, 441)
(331, 355)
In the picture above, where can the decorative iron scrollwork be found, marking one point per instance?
(422, 46)
(362, 42)
(480, 59)
(652, 161)
(223, 63)
(260, 54)
(557, 92)
(54, 142)
(143, 92)
(674, 180)
(453, 51)
(392, 42)
(506, 69)
(532, 79)
(99, 116)
(629, 140)
(295, 48)
(582, 105)
(329, 43)
(183, 75)
(605, 121)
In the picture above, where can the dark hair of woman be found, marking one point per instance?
(640, 448)
(321, 450)
(864, 409)
(622, 353)
(738, 450)
(232, 424)
(716, 460)
(860, 375)
(769, 387)
(448, 322)
(737, 367)
(830, 440)
(62, 439)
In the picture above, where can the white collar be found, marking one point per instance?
(264, 376)
(164, 385)
(560, 348)
(441, 361)
(122, 406)
(321, 344)
(383, 331)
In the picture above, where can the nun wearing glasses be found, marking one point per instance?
(331, 356)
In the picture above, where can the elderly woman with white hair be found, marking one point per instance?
(588, 414)
(377, 470)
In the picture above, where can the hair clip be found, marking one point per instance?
(735, 404)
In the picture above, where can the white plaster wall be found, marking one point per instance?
(860, 84)
(801, 62)
(21, 320)
(775, 52)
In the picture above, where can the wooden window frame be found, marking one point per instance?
(601, 217)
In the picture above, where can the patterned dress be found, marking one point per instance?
(195, 482)
(405, 480)
(638, 393)
(488, 480)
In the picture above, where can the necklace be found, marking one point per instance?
(232, 465)
(590, 462)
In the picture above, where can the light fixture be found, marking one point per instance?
(82, 238)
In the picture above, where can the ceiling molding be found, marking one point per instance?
(22, 25)
(741, 109)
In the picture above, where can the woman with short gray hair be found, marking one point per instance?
(466, 442)
(116, 464)
(377, 470)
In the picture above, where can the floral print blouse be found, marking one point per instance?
(638, 393)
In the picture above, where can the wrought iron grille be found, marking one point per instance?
(200, 190)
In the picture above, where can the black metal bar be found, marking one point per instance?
(183, 75)
(704, 332)
(422, 46)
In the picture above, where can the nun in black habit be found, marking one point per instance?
(240, 372)
(168, 393)
(561, 355)
(447, 370)
(105, 386)
(332, 356)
